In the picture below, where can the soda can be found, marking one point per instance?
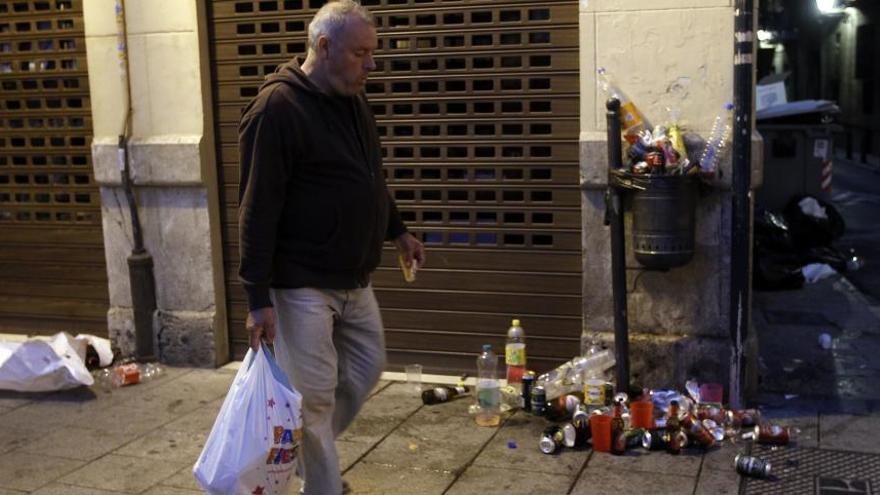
(528, 380)
(656, 439)
(552, 439)
(773, 434)
(745, 417)
(752, 466)
(598, 393)
(634, 437)
(697, 432)
(713, 412)
(539, 401)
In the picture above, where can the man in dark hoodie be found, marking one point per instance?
(315, 212)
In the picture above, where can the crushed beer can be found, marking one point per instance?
(552, 439)
(752, 466)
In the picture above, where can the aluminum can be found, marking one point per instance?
(697, 432)
(745, 417)
(528, 381)
(656, 162)
(634, 437)
(539, 401)
(752, 466)
(773, 434)
(552, 439)
(713, 412)
(656, 439)
(598, 393)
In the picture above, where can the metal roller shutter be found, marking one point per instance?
(477, 104)
(52, 268)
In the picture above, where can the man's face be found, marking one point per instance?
(350, 57)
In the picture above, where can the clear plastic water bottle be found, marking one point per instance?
(717, 143)
(488, 389)
(515, 354)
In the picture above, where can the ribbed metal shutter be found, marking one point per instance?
(52, 269)
(477, 104)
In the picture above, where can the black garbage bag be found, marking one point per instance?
(813, 222)
(776, 271)
(772, 232)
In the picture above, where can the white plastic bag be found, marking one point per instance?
(255, 440)
(42, 364)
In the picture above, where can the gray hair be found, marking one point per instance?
(332, 16)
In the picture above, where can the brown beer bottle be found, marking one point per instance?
(618, 438)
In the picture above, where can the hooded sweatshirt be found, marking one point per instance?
(314, 207)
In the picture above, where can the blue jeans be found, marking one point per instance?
(332, 347)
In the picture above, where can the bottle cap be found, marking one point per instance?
(515, 323)
(487, 347)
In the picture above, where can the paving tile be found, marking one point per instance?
(11, 399)
(721, 458)
(65, 489)
(525, 430)
(852, 433)
(65, 412)
(28, 471)
(122, 473)
(140, 416)
(602, 481)
(182, 479)
(374, 479)
(168, 445)
(381, 414)
(640, 460)
(202, 419)
(14, 437)
(74, 442)
(480, 481)
(804, 420)
(350, 452)
(714, 482)
(170, 490)
(4, 491)
(432, 441)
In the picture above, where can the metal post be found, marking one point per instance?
(614, 217)
(740, 279)
(140, 263)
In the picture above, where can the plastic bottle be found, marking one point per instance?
(515, 354)
(632, 121)
(717, 143)
(571, 375)
(488, 390)
(589, 343)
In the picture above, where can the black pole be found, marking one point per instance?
(740, 293)
(140, 263)
(614, 217)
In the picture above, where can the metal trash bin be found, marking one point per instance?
(797, 161)
(664, 221)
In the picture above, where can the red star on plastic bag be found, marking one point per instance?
(258, 490)
(271, 402)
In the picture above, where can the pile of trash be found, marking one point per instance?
(60, 362)
(795, 246)
(579, 401)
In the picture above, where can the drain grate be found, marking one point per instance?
(799, 471)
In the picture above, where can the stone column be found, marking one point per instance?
(663, 53)
(173, 171)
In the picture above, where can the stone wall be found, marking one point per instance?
(664, 53)
(172, 168)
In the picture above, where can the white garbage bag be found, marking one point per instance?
(255, 441)
(47, 364)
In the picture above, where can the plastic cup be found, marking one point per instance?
(711, 392)
(414, 378)
(641, 414)
(600, 427)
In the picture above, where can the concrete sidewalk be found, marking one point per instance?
(145, 438)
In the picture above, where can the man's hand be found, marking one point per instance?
(411, 249)
(260, 323)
